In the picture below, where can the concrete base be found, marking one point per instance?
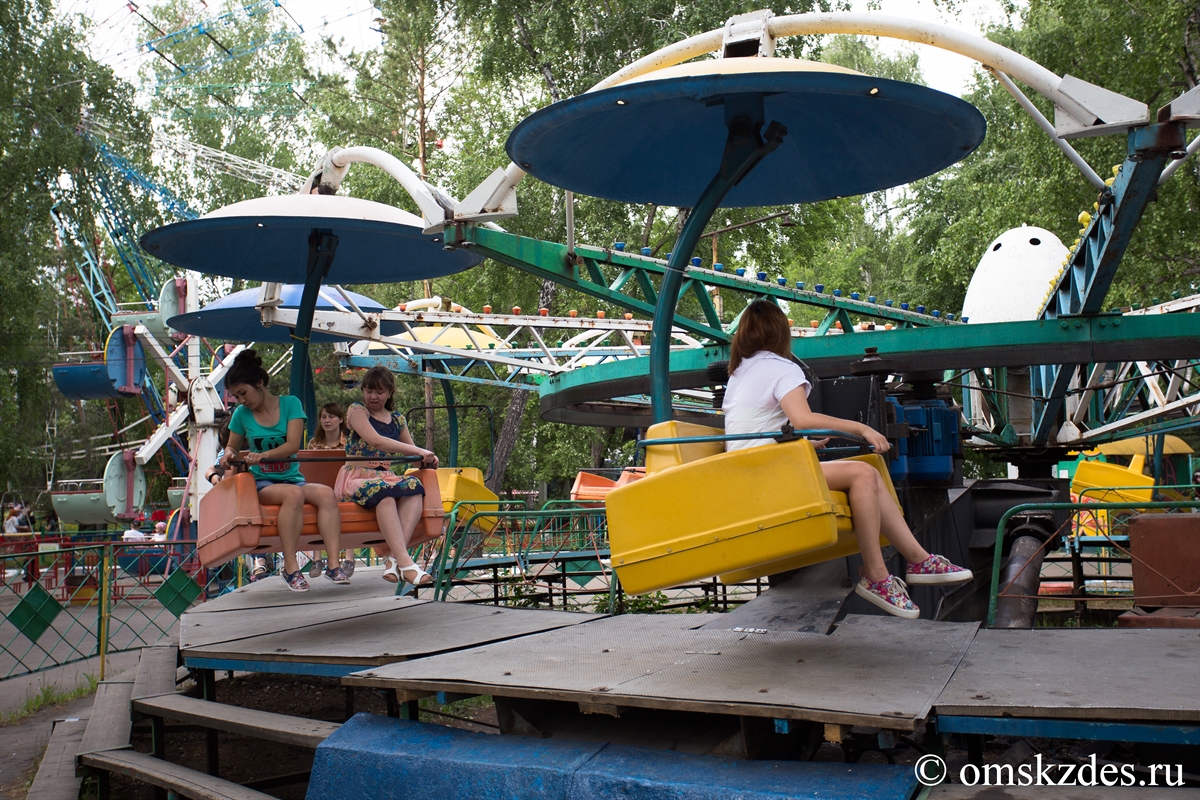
(379, 757)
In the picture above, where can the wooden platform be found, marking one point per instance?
(1087, 674)
(335, 630)
(871, 670)
(867, 673)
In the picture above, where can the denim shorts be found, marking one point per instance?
(261, 484)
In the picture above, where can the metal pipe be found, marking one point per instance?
(1048, 129)
(998, 551)
(1174, 166)
(570, 223)
(430, 208)
(1022, 574)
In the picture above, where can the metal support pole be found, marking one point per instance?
(105, 602)
(744, 148)
(322, 246)
(452, 417)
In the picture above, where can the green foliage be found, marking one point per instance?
(1017, 176)
(50, 83)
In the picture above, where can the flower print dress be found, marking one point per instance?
(365, 482)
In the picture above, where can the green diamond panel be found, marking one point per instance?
(589, 566)
(35, 613)
(177, 592)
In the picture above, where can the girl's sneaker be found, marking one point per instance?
(937, 569)
(348, 567)
(316, 567)
(295, 581)
(337, 575)
(890, 594)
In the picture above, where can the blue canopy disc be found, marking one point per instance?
(659, 138)
(234, 318)
(267, 239)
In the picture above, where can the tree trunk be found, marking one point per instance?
(509, 431)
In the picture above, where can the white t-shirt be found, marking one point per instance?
(133, 535)
(752, 396)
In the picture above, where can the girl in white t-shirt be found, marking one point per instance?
(766, 389)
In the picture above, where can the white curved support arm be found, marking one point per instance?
(434, 213)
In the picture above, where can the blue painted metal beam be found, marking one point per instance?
(1071, 729)
(1090, 271)
(372, 756)
(277, 667)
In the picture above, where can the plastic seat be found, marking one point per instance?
(701, 511)
(233, 523)
(458, 484)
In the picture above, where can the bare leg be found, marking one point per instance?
(896, 529)
(874, 512)
(329, 519)
(290, 499)
(410, 509)
(388, 516)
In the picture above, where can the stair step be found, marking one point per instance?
(233, 719)
(172, 777)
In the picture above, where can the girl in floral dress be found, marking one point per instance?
(377, 430)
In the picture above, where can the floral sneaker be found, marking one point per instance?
(337, 575)
(295, 580)
(890, 594)
(937, 569)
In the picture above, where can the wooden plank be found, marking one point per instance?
(807, 602)
(156, 671)
(652, 662)
(232, 719)
(1091, 673)
(110, 723)
(181, 780)
(412, 631)
(56, 778)
(272, 592)
(202, 630)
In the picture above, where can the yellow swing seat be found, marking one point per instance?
(701, 512)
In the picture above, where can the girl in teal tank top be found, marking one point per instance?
(271, 429)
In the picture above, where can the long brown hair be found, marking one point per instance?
(381, 378)
(763, 326)
(333, 410)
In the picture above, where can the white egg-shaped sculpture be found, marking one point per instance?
(1013, 275)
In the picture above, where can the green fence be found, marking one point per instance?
(61, 604)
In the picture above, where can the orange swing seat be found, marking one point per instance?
(233, 523)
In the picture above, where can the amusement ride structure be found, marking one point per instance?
(1026, 377)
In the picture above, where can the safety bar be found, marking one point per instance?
(994, 592)
(786, 434)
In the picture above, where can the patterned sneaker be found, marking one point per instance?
(337, 575)
(348, 567)
(295, 580)
(890, 594)
(316, 567)
(937, 569)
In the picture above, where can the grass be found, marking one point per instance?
(49, 695)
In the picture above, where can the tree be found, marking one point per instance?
(50, 83)
(1148, 51)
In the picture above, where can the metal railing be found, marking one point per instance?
(1079, 533)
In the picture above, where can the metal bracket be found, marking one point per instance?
(747, 35)
(1083, 109)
